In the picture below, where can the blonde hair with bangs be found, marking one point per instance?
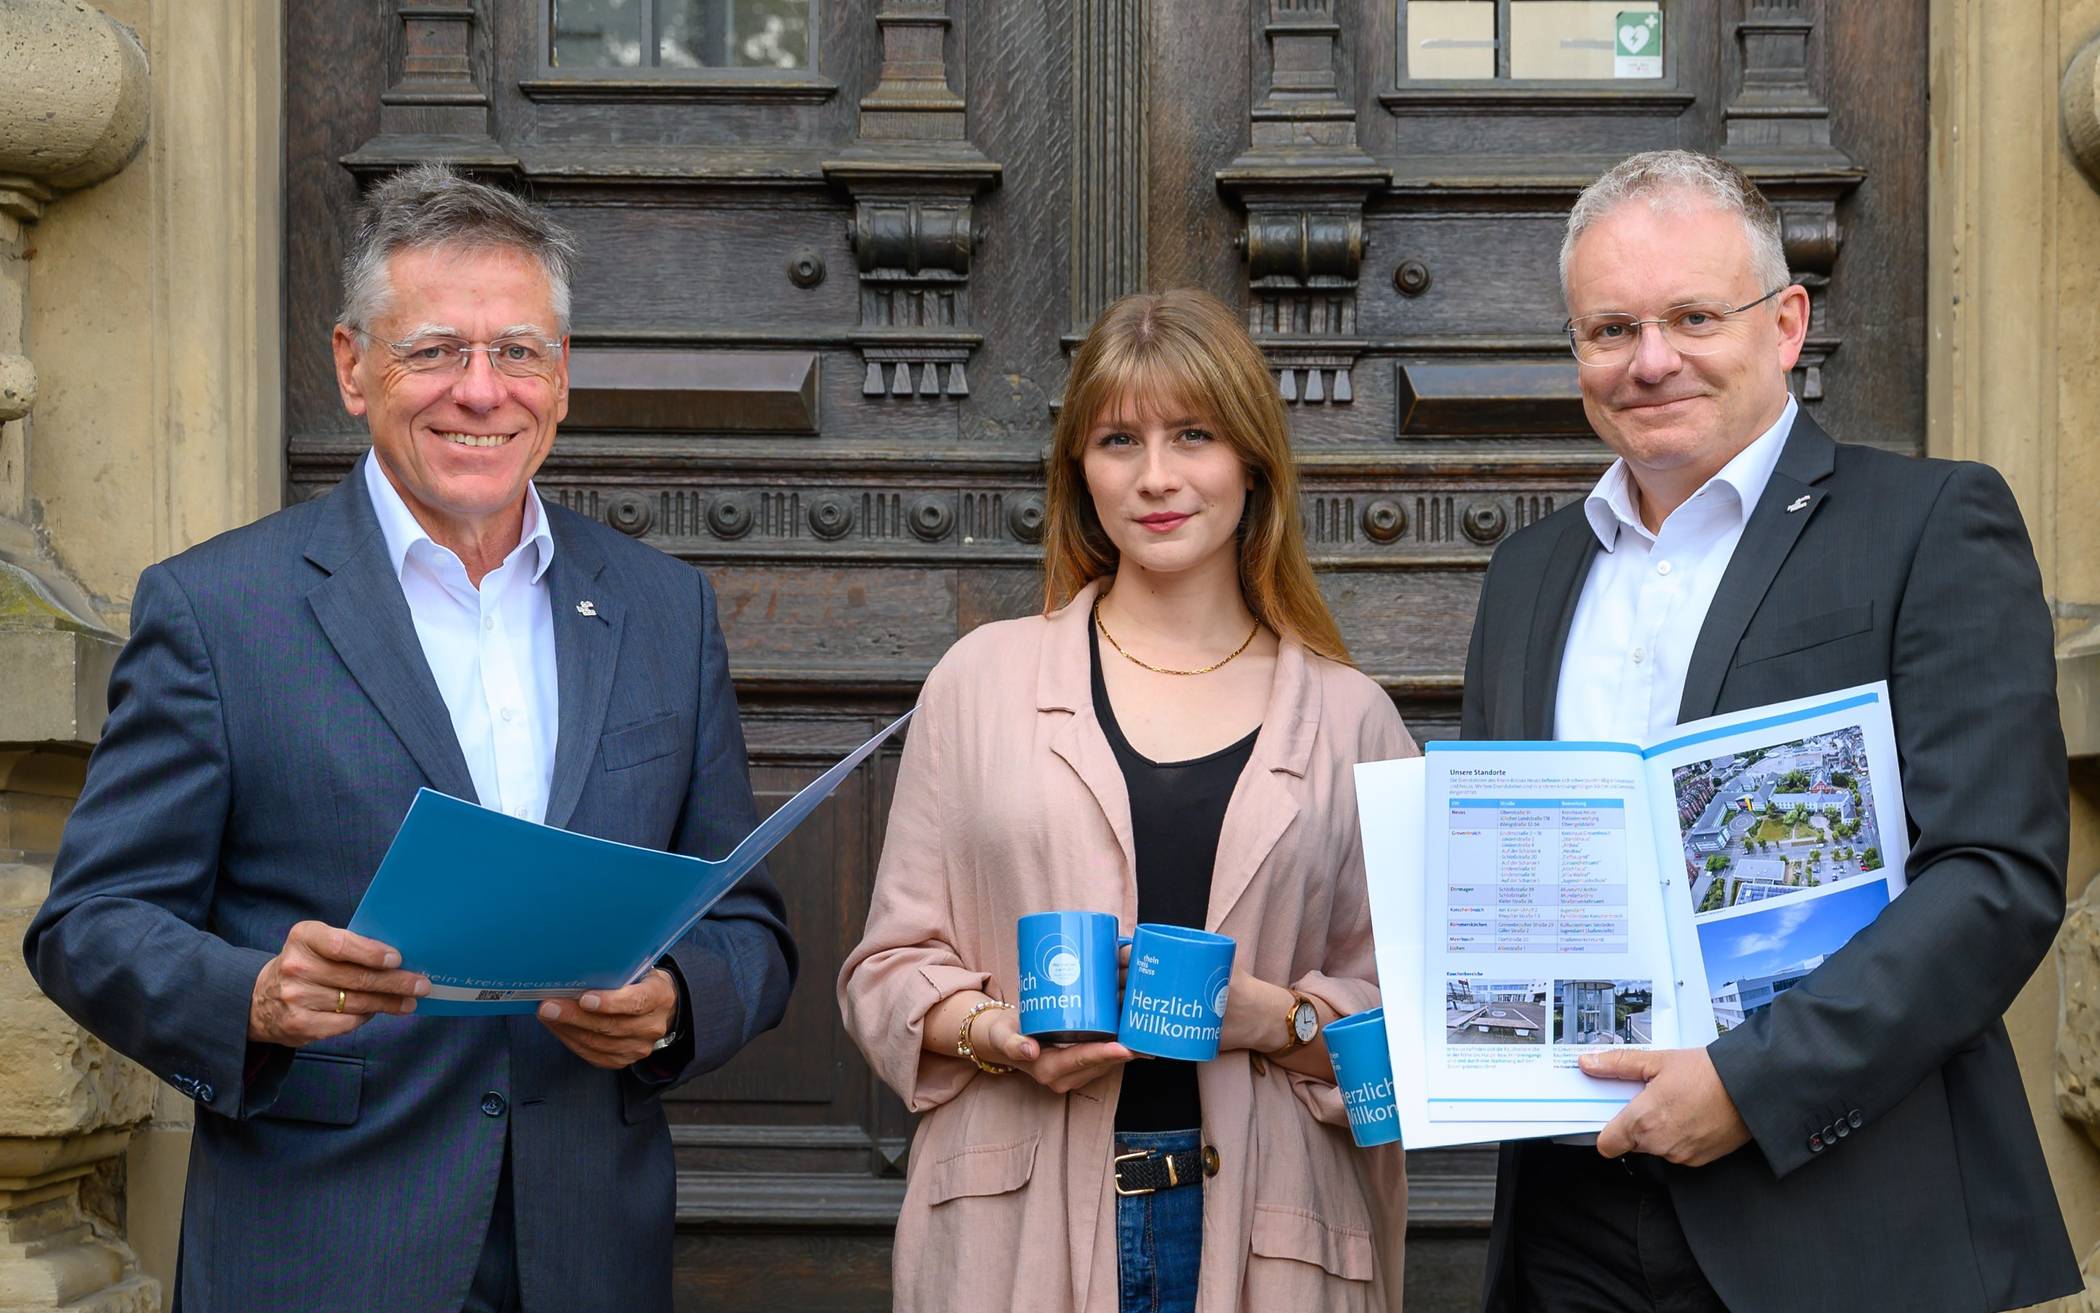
(1183, 346)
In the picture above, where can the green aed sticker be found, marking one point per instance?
(1637, 45)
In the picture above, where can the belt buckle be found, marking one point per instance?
(1122, 1158)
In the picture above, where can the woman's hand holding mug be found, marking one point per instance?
(996, 1037)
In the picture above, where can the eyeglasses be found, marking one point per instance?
(516, 357)
(1698, 329)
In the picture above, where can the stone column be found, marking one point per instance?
(150, 311)
(73, 111)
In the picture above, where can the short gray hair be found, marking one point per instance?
(431, 206)
(1666, 179)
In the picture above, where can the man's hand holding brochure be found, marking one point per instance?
(1536, 901)
(501, 913)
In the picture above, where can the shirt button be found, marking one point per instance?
(518, 811)
(1640, 654)
(1662, 567)
(492, 1104)
(488, 622)
(510, 713)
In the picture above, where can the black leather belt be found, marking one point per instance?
(1148, 1170)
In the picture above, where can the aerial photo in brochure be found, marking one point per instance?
(1783, 860)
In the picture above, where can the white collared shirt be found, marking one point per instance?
(490, 649)
(1622, 673)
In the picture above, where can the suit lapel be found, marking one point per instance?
(1261, 809)
(586, 654)
(1263, 804)
(1082, 745)
(1063, 683)
(1789, 502)
(1552, 613)
(361, 609)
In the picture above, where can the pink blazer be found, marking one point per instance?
(1010, 801)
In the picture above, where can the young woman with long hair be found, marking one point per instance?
(1171, 741)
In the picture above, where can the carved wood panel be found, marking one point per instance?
(823, 316)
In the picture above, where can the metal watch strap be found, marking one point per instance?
(671, 1035)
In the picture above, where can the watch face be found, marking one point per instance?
(1305, 1023)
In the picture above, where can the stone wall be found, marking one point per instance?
(2012, 380)
(73, 112)
(2077, 1084)
(2078, 1027)
(67, 1106)
(139, 388)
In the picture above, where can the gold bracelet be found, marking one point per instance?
(962, 1038)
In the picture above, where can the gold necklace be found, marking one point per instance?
(1102, 625)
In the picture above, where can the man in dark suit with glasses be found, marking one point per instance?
(1862, 1143)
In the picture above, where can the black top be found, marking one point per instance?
(1176, 811)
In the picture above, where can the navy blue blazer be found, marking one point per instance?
(270, 720)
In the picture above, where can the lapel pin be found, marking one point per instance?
(586, 607)
(1792, 506)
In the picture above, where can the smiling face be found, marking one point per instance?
(459, 447)
(1167, 490)
(1677, 419)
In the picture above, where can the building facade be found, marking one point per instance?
(1588, 1012)
(835, 260)
(1756, 992)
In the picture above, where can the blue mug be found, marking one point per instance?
(1174, 995)
(1363, 1071)
(1068, 976)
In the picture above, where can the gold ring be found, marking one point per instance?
(339, 999)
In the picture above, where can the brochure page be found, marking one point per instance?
(1787, 832)
(1390, 808)
(1546, 928)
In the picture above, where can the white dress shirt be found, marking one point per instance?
(490, 649)
(1645, 601)
(1641, 609)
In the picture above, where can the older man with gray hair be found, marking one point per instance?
(287, 689)
(1862, 1142)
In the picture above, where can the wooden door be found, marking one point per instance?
(836, 254)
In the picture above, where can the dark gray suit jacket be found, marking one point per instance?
(270, 720)
(1894, 1163)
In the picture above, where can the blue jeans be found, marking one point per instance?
(1159, 1236)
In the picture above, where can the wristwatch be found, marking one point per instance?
(1301, 1025)
(671, 1035)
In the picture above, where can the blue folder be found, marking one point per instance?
(501, 913)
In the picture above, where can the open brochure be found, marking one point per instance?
(1532, 900)
(501, 913)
